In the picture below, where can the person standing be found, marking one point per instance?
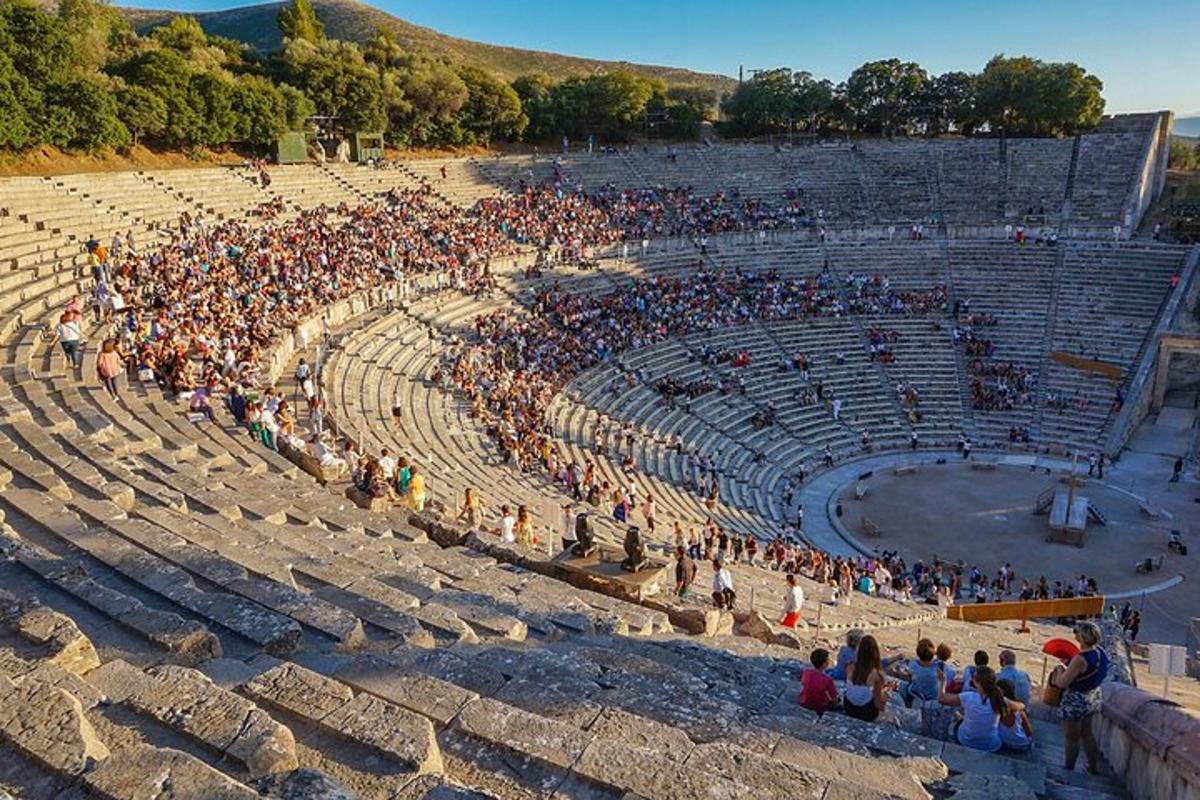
(793, 603)
(109, 366)
(685, 572)
(1178, 470)
(70, 338)
(722, 589)
(1081, 698)
(416, 489)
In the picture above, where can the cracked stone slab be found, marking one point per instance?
(48, 725)
(426, 695)
(555, 743)
(398, 733)
(299, 691)
(187, 701)
(150, 773)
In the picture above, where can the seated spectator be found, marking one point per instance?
(944, 654)
(1016, 732)
(1017, 677)
(867, 688)
(817, 690)
(982, 705)
(921, 675)
(981, 660)
(845, 656)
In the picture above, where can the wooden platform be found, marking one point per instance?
(603, 567)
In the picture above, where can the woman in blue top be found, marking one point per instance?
(1081, 697)
(982, 706)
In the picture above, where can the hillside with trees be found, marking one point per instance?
(80, 77)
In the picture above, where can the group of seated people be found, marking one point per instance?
(988, 706)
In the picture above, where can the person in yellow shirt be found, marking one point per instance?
(416, 490)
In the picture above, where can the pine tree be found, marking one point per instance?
(299, 21)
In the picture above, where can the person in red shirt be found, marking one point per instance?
(817, 690)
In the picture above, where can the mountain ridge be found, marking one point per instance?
(355, 21)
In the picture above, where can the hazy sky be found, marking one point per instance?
(1147, 53)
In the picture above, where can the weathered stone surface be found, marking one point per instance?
(426, 695)
(974, 762)
(718, 623)
(976, 786)
(872, 775)
(48, 725)
(318, 614)
(189, 702)
(646, 774)
(662, 740)
(70, 649)
(566, 702)
(384, 607)
(757, 772)
(148, 773)
(482, 614)
(396, 732)
(435, 787)
(303, 784)
(756, 626)
(298, 691)
(555, 743)
(445, 623)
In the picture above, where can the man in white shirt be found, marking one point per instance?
(793, 603)
(388, 465)
(507, 524)
(722, 593)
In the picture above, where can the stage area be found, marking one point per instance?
(985, 518)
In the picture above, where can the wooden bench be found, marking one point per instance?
(909, 470)
(870, 527)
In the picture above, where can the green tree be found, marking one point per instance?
(536, 93)
(431, 97)
(1183, 156)
(765, 103)
(1026, 97)
(182, 34)
(337, 79)
(949, 103)
(17, 98)
(299, 21)
(493, 109)
(143, 112)
(82, 113)
(261, 110)
(883, 95)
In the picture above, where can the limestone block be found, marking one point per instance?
(303, 784)
(71, 649)
(664, 741)
(147, 772)
(758, 772)
(424, 694)
(299, 691)
(187, 701)
(718, 623)
(396, 732)
(554, 743)
(755, 626)
(48, 725)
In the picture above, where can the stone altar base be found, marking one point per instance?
(603, 569)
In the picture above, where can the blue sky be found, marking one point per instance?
(1147, 53)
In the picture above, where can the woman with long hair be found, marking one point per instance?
(867, 688)
(983, 705)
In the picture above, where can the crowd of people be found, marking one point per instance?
(979, 706)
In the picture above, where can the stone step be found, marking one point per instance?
(377, 724)
(187, 702)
